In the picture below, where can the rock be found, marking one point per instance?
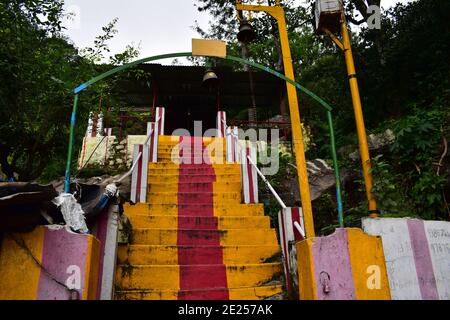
(354, 155)
(345, 151)
(377, 141)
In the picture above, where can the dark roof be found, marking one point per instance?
(182, 85)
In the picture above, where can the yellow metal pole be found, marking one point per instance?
(278, 13)
(360, 128)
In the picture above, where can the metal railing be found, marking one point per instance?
(272, 190)
(130, 172)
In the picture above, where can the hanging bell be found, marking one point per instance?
(210, 79)
(246, 33)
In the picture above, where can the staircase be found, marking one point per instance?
(193, 239)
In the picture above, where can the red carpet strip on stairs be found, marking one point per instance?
(200, 256)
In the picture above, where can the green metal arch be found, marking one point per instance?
(113, 71)
(189, 54)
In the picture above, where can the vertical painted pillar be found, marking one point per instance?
(158, 131)
(249, 174)
(140, 172)
(106, 231)
(288, 232)
(221, 124)
(153, 150)
(232, 144)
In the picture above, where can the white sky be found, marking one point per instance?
(163, 26)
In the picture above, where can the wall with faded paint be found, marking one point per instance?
(110, 152)
(32, 264)
(106, 230)
(417, 256)
(346, 265)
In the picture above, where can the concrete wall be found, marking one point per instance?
(110, 152)
(106, 230)
(417, 256)
(346, 265)
(31, 262)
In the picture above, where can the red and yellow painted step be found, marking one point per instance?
(193, 239)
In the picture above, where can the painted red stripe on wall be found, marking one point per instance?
(422, 259)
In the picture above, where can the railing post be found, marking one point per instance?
(153, 149)
(287, 218)
(249, 174)
(232, 144)
(221, 124)
(158, 131)
(139, 174)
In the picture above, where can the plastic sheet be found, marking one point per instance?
(72, 212)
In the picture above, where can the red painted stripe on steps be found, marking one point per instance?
(198, 222)
(196, 254)
(211, 294)
(201, 268)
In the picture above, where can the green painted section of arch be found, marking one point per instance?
(189, 54)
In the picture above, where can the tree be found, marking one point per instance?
(39, 69)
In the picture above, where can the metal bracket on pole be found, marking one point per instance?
(334, 38)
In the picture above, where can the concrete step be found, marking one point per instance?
(176, 166)
(168, 276)
(176, 139)
(193, 197)
(197, 178)
(195, 186)
(192, 160)
(191, 148)
(214, 161)
(228, 237)
(199, 222)
(195, 209)
(242, 293)
(169, 255)
(195, 169)
(212, 148)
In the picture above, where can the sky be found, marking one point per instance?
(158, 27)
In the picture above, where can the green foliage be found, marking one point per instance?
(39, 69)
(418, 134)
(389, 194)
(404, 84)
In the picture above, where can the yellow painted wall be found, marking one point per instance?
(19, 274)
(368, 261)
(306, 282)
